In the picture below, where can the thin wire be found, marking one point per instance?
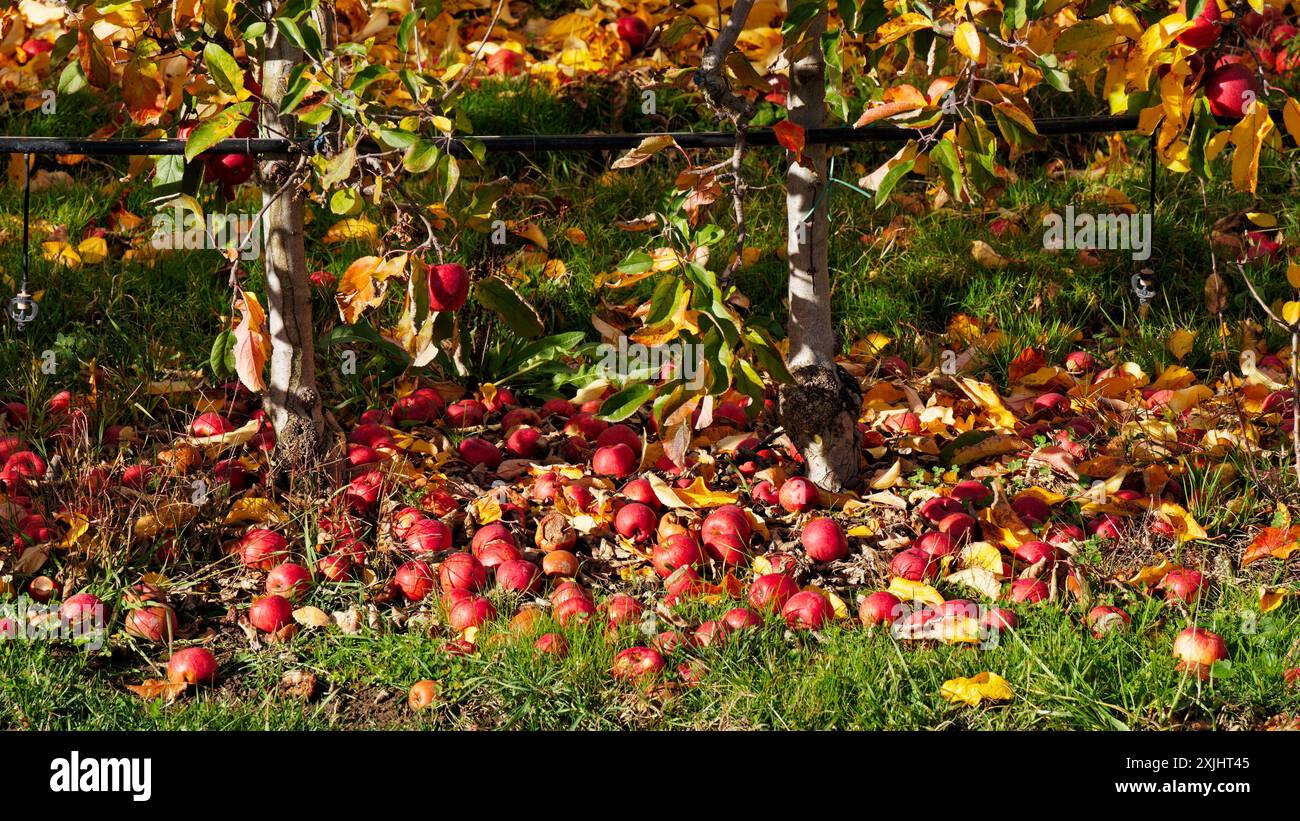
(27, 223)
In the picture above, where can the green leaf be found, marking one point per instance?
(216, 129)
(496, 295)
(1015, 15)
(637, 262)
(296, 87)
(365, 77)
(404, 31)
(222, 357)
(396, 138)
(225, 72)
(799, 17)
(345, 202)
(420, 156)
(72, 79)
(762, 348)
(1055, 77)
(944, 158)
(625, 402)
(892, 179)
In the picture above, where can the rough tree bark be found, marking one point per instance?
(820, 409)
(292, 400)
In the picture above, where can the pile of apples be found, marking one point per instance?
(565, 487)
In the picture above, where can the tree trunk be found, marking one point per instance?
(292, 400)
(820, 410)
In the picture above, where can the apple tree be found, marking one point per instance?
(966, 78)
(368, 109)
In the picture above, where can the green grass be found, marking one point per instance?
(840, 678)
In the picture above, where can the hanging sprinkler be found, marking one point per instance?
(23, 307)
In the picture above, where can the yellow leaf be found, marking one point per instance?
(647, 149)
(1291, 312)
(910, 591)
(980, 579)
(254, 510)
(60, 253)
(530, 232)
(1152, 574)
(1271, 599)
(699, 495)
(982, 556)
(311, 617)
(93, 250)
(971, 691)
(1180, 343)
(1185, 527)
(78, 524)
(361, 287)
(987, 398)
(986, 256)
(967, 40)
(1290, 116)
(1248, 136)
(888, 477)
(352, 230)
(898, 28)
(1293, 274)
(168, 516)
(1042, 494)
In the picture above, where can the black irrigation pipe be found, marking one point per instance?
(844, 135)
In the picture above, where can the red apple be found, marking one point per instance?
(799, 495)
(292, 581)
(505, 62)
(552, 644)
(769, 593)
(466, 413)
(262, 549)
(156, 622)
(470, 611)
(1205, 27)
(428, 536)
(193, 665)
(577, 609)
(520, 576)
(270, 613)
(1104, 619)
(614, 460)
(824, 540)
(881, 607)
(1029, 591)
(415, 580)
(807, 609)
(448, 286)
(1229, 88)
(461, 571)
(634, 31)
(636, 521)
(1182, 585)
(477, 451)
(738, 618)
(914, 564)
(637, 663)
(1197, 649)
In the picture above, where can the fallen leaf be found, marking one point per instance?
(980, 687)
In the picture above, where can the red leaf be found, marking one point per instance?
(790, 136)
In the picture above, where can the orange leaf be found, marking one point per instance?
(1272, 541)
(790, 136)
(252, 342)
